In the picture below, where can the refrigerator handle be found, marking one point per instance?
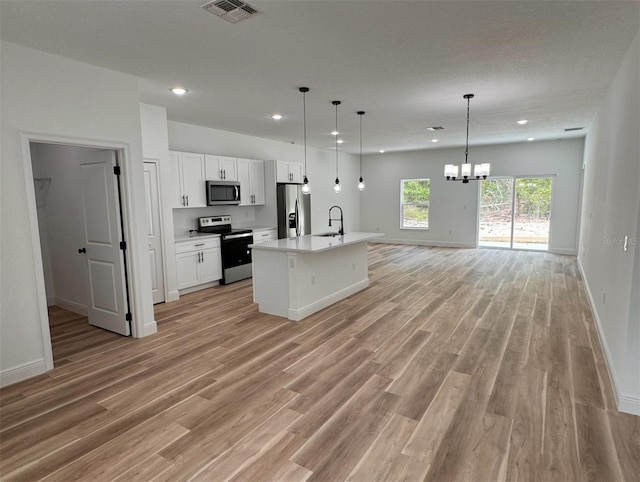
(297, 218)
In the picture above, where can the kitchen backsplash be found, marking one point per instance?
(186, 219)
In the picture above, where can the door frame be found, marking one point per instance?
(124, 160)
(514, 178)
(160, 226)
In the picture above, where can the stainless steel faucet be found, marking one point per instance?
(341, 231)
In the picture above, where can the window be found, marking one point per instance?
(414, 199)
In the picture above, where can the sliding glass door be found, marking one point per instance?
(515, 213)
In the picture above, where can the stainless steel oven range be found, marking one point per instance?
(234, 243)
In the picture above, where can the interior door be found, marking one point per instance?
(154, 235)
(107, 300)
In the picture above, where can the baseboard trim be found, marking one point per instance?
(197, 288)
(420, 242)
(570, 252)
(149, 329)
(22, 372)
(51, 300)
(624, 403)
(301, 313)
(70, 306)
(173, 296)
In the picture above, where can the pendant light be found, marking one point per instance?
(306, 189)
(481, 171)
(360, 181)
(337, 188)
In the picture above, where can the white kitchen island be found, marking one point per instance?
(295, 277)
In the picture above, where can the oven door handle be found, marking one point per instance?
(237, 236)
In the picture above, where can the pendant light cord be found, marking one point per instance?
(360, 114)
(466, 151)
(336, 103)
(304, 116)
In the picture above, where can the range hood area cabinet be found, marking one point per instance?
(220, 168)
(187, 169)
(289, 172)
(251, 177)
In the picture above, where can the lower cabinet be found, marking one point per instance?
(198, 262)
(264, 235)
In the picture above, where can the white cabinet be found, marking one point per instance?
(251, 178)
(264, 235)
(290, 172)
(198, 262)
(188, 173)
(220, 168)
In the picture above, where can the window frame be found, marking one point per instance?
(402, 205)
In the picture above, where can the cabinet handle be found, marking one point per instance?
(199, 244)
(183, 200)
(187, 199)
(202, 256)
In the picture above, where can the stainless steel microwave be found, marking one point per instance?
(222, 192)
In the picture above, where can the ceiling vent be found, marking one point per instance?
(231, 10)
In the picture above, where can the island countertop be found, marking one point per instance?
(311, 243)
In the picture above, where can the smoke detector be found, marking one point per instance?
(231, 10)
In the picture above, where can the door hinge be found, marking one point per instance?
(123, 245)
(128, 316)
(116, 170)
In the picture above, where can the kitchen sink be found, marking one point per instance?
(327, 235)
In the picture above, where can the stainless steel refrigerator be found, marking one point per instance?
(294, 211)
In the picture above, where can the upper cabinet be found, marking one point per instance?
(289, 172)
(220, 168)
(188, 170)
(251, 177)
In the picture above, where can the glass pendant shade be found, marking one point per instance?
(306, 189)
(465, 170)
(361, 185)
(337, 187)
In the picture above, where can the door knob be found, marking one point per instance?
(82, 250)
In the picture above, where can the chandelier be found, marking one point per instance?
(463, 173)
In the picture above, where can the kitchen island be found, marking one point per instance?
(295, 277)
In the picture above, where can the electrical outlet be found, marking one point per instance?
(353, 266)
(451, 231)
(313, 279)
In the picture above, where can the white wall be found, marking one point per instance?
(611, 211)
(155, 147)
(55, 97)
(320, 170)
(453, 210)
(61, 221)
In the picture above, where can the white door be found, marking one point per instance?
(154, 234)
(107, 300)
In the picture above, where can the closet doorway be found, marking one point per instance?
(515, 213)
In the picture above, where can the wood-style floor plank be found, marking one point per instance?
(455, 364)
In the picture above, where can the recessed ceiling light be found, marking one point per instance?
(179, 91)
(530, 138)
(276, 116)
(522, 121)
(340, 141)
(435, 128)
(334, 133)
(434, 140)
(381, 151)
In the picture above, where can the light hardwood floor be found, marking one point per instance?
(476, 365)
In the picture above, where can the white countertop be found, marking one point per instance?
(314, 244)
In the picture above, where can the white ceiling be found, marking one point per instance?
(406, 63)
